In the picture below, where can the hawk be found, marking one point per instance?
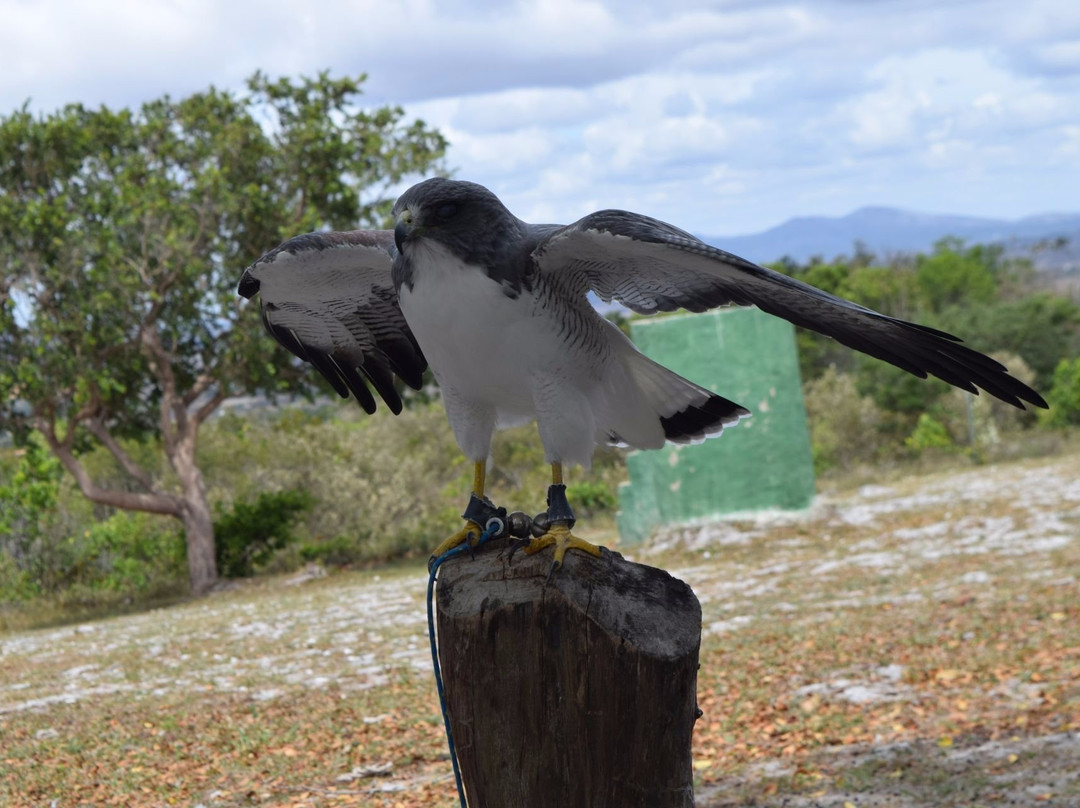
(499, 309)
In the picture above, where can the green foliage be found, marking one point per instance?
(590, 496)
(982, 421)
(882, 288)
(122, 235)
(844, 425)
(17, 585)
(249, 533)
(113, 222)
(975, 292)
(896, 390)
(1042, 328)
(991, 301)
(387, 486)
(1064, 395)
(929, 433)
(952, 275)
(126, 555)
(341, 551)
(28, 497)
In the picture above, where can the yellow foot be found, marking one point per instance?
(470, 533)
(559, 535)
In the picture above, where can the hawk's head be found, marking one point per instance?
(464, 217)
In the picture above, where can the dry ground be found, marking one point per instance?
(914, 644)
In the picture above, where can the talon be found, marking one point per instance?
(559, 534)
(555, 565)
(470, 533)
(515, 545)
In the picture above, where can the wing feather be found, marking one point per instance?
(650, 266)
(329, 299)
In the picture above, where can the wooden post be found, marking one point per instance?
(573, 692)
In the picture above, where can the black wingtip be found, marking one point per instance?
(696, 422)
(356, 385)
(1034, 398)
(248, 286)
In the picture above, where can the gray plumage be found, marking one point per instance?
(499, 307)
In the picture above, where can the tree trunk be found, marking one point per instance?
(574, 691)
(197, 519)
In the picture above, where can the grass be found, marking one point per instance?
(916, 646)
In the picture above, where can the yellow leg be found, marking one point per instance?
(472, 531)
(558, 533)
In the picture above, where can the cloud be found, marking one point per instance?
(717, 116)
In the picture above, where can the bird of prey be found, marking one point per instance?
(499, 309)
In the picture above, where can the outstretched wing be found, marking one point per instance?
(649, 266)
(329, 299)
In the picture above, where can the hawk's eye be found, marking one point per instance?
(447, 211)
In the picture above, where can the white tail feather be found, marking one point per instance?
(640, 392)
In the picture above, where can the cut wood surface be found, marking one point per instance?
(578, 690)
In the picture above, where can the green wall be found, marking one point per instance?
(764, 462)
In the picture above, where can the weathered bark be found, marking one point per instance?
(198, 521)
(179, 433)
(574, 691)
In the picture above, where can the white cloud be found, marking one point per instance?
(719, 117)
(502, 152)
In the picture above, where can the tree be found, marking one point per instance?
(122, 235)
(1064, 396)
(952, 275)
(1043, 328)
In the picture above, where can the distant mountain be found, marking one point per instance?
(887, 231)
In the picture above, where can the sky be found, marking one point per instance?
(723, 117)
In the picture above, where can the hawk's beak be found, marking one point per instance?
(249, 286)
(403, 227)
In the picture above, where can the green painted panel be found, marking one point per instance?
(762, 463)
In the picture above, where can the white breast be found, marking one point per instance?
(478, 341)
(513, 357)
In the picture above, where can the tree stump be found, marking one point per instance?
(574, 691)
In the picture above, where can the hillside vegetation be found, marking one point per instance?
(328, 484)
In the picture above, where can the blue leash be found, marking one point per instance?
(495, 526)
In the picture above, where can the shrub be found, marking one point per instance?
(987, 417)
(845, 427)
(929, 433)
(45, 549)
(1064, 395)
(337, 552)
(247, 535)
(589, 497)
(129, 553)
(16, 584)
(29, 490)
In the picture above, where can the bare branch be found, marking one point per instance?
(138, 473)
(126, 500)
(206, 409)
(73, 421)
(201, 385)
(171, 404)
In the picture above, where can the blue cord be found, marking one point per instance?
(494, 527)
